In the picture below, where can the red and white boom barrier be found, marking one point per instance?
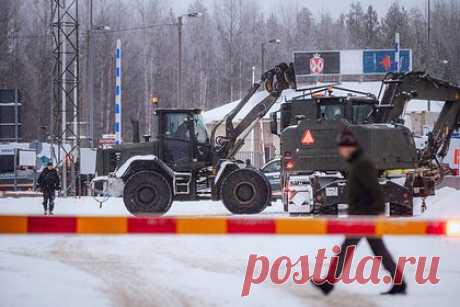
(226, 226)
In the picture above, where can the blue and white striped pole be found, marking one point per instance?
(397, 49)
(117, 126)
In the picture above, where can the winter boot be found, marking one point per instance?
(51, 208)
(396, 289)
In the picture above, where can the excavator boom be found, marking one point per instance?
(275, 80)
(401, 88)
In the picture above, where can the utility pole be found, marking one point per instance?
(262, 67)
(262, 58)
(180, 23)
(397, 52)
(262, 52)
(90, 71)
(90, 64)
(428, 42)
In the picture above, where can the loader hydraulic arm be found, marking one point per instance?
(401, 88)
(275, 81)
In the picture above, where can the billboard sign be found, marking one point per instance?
(317, 63)
(355, 62)
(383, 61)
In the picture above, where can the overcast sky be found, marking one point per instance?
(334, 7)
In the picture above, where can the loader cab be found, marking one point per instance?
(354, 109)
(183, 139)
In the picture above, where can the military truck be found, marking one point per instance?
(313, 174)
(182, 162)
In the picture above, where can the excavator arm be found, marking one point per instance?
(401, 88)
(274, 81)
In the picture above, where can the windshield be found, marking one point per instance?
(360, 113)
(176, 126)
(200, 129)
(332, 111)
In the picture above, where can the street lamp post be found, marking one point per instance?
(90, 70)
(180, 23)
(262, 67)
(428, 42)
(262, 47)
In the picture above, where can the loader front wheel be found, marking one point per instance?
(245, 191)
(147, 193)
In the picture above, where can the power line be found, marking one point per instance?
(96, 32)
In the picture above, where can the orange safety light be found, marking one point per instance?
(307, 138)
(453, 228)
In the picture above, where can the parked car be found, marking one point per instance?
(272, 170)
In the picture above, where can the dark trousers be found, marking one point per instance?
(48, 200)
(378, 248)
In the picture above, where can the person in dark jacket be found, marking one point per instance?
(48, 182)
(365, 197)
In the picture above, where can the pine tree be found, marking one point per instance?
(355, 25)
(371, 29)
(304, 29)
(395, 20)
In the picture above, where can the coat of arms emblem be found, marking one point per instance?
(316, 64)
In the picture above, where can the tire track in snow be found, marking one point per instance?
(125, 285)
(311, 296)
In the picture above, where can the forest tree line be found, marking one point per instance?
(220, 48)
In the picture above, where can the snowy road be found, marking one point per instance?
(45, 270)
(442, 205)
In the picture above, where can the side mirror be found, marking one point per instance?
(274, 123)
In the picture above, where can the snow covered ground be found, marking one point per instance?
(148, 270)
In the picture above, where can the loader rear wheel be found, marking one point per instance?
(147, 193)
(245, 191)
(401, 210)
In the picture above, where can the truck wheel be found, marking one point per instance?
(147, 192)
(245, 191)
(400, 210)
